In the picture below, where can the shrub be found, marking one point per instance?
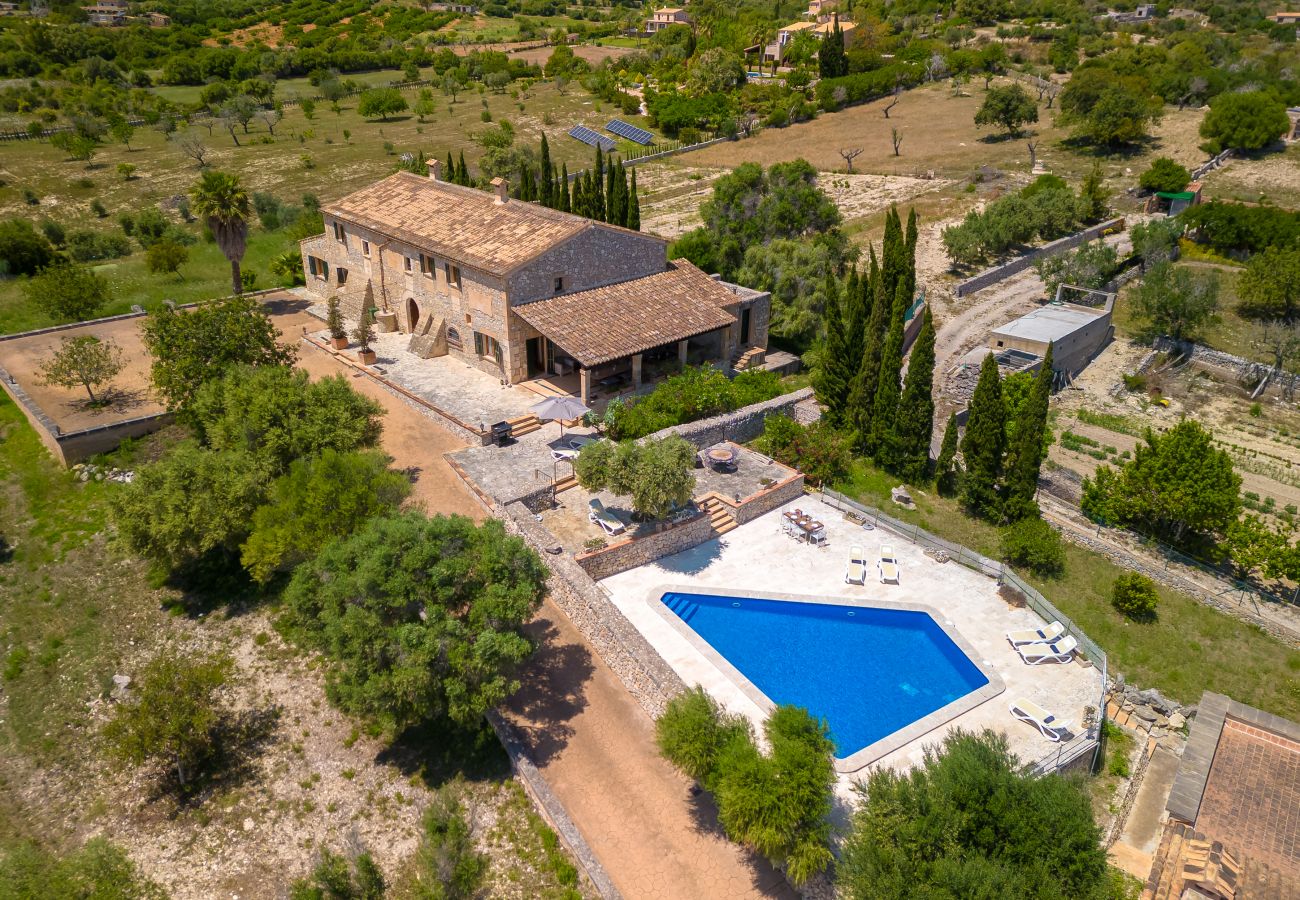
(23, 250)
(1135, 596)
(822, 453)
(1034, 544)
(657, 474)
(71, 293)
(88, 246)
(1165, 175)
(692, 394)
(693, 732)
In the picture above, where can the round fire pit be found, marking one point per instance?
(721, 455)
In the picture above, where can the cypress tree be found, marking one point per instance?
(449, 173)
(862, 397)
(462, 171)
(834, 377)
(596, 196)
(892, 253)
(831, 59)
(984, 441)
(909, 243)
(562, 189)
(1026, 458)
(525, 189)
(914, 423)
(852, 314)
(882, 443)
(945, 467)
(547, 176)
(616, 199)
(633, 206)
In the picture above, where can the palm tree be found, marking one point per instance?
(223, 203)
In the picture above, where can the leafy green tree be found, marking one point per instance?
(1165, 175)
(1156, 241)
(190, 505)
(419, 619)
(983, 444)
(1177, 484)
(1108, 109)
(1027, 447)
(1255, 547)
(165, 257)
(1269, 289)
(945, 467)
(450, 865)
(715, 71)
(223, 204)
(801, 275)
(1092, 265)
(656, 473)
(831, 59)
(335, 878)
(1250, 120)
(83, 361)
(71, 293)
(1176, 301)
(1134, 595)
(98, 870)
(1032, 543)
(279, 415)
(821, 451)
(319, 499)
(23, 250)
(970, 822)
(694, 732)
(381, 102)
(195, 346)
(1008, 107)
(175, 714)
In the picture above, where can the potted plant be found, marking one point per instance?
(365, 335)
(334, 322)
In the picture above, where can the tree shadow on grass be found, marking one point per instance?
(439, 750)
(553, 693)
(238, 742)
(215, 581)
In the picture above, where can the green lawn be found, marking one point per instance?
(1190, 649)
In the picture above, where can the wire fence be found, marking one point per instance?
(1089, 741)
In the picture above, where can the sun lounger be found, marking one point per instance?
(609, 523)
(1049, 726)
(856, 570)
(562, 453)
(1036, 654)
(1044, 635)
(578, 441)
(888, 564)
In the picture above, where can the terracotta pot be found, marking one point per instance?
(339, 343)
(367, 357)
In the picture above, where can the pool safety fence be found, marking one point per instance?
(1069, 752)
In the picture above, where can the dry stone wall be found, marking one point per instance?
(741, 426)
(1020, 263)
(632, 552)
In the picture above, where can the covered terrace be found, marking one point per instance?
(609, 337)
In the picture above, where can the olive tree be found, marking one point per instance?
(84, 361)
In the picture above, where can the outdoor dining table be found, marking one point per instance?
(809, 528)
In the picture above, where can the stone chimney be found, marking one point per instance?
(502, 187)
(435, 169)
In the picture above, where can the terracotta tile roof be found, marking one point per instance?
(461, 223)
(618, 320)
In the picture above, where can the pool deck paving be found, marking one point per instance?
(759, 556)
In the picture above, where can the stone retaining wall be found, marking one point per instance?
(649, 679)
(766, 500)
(741, 426)
(1020, 263)
(630, 552)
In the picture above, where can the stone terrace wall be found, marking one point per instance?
(1020, 263)
(766, 500)
(631, 552)
(649, 679)
(741, 426)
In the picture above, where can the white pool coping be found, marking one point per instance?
(864, 757)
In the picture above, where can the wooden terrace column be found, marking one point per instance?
(584, 382)
(681, 352)
(636, 371)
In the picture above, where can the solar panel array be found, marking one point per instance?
(587, 136)
(631, 132)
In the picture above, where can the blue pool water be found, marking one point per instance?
(868, 672)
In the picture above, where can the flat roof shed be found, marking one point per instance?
(1050, 324)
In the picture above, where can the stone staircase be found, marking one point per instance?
(522, 425)
(747, 358)
(719, 517)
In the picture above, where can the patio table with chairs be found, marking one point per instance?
(801, 526)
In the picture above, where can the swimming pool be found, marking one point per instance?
(879, 675)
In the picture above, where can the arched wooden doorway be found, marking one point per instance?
(412, 314)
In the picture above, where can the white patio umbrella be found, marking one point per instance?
(561, 407)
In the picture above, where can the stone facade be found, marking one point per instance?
(772, 497)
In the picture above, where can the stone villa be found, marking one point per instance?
(521, 291)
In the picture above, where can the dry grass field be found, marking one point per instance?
(939, 136)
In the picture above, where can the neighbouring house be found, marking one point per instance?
(668, 16)
(1233, 814)
(819, 8)
(159, 20)
(463, 8)
(776, 50)
(106, 12)
(1075, 333)
(8, 9)
(522, 291)
(1285, 18)
(1145, 12)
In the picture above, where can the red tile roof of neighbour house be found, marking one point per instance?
(462, 223)
(618, 320)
